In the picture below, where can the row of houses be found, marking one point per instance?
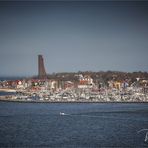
(84, 82)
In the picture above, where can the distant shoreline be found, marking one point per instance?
(7, 90)
(31, 101)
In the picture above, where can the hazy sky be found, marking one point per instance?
(73, 36)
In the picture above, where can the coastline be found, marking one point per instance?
(40, 101)
(7, 90)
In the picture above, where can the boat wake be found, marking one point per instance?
(146, 134)
(97, 116)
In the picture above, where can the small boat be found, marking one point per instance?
(62, 114)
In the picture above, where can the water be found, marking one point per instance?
(2, 93)
(84, 125)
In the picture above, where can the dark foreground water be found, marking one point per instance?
(84, 125)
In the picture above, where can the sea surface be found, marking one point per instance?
(3, 93)
(82, 125)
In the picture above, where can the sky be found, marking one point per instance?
(73, 36)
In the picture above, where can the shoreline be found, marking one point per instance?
(67, 102)
(7, 90)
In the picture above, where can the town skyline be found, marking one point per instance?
(73, 36)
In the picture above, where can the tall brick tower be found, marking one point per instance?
(41, 68)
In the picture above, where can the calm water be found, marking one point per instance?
(2, 93)
(85, 125)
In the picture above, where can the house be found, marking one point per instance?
(85, 82)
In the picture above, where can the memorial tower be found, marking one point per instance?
(41, 68)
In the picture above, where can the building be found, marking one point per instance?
(41, 68)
